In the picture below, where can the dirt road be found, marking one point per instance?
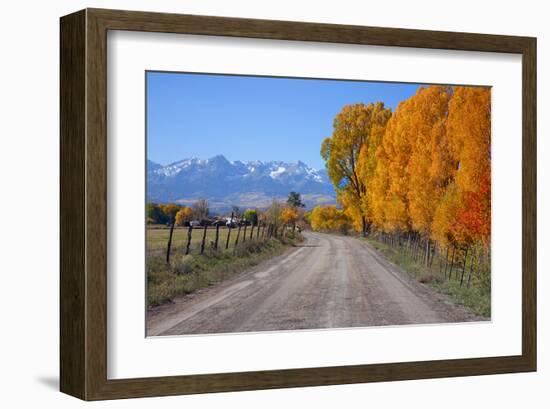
(328, 282)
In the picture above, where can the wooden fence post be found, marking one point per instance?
(217, 236)
(470, 273)
(189, 233)
(257, 230)
(251, 231)
(244, 233)
(229, 231)
(427, 258)
(464, 266)
(432, 251)
(440, 261)
(170, 242)
(238, 234)
(228, 236)
(446, 261)
(458, 266)
(203, 238)
(452, 263)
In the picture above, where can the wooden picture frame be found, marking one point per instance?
(83, 210)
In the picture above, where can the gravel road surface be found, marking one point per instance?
(328, 282)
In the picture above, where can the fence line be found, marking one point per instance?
(257, 231)
(451, 258)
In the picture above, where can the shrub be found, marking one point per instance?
(183, 265)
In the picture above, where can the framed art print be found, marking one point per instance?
(252, 204)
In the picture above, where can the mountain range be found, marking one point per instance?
(227, 183)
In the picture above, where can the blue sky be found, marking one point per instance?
(251, 118)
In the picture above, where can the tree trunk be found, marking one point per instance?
(364, 226)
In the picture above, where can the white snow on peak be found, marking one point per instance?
(177, 167)
(276, 173)
(274, 169)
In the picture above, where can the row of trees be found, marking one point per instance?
(328, 218)
(170, 212)
(423, 169)
(277, 216)
(278, 213)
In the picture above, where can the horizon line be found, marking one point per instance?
(232, 161)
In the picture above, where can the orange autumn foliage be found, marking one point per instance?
(327, 218)
(426, 171)
(469, 128)
(357, 131)
(289, 215)
(425, 168)
(170, 211)
(183, 215)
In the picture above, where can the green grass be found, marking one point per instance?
(188, 273)
(476, 298)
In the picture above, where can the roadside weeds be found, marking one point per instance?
(476, 299)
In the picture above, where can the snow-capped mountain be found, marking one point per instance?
(225, 183)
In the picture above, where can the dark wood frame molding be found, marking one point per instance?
(83, 209)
